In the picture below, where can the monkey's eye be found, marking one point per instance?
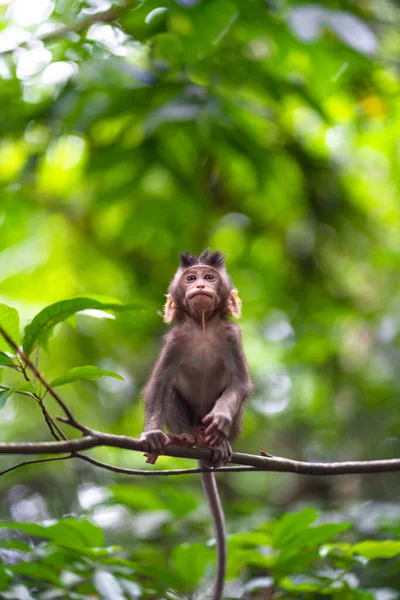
(190, 277)
(209, 276)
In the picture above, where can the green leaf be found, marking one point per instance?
(248, 539)
(39, 330)
(190, 561)
(314, 536)
(68, 532)
(32, 529)
(15, 545)
(27, 387)
(9, 320)
(137, 498)
(371, 549)
(37, 570)
(6, 361)
(5, 394)
(210, 22)
(76, 532)
(306, 584)
(240, 558)
(89, 373)
(288, 527)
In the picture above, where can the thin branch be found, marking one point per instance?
(259, 463)
(92, 439)
(81, 25)
(148, 472)
(55, 430)
(33, 462)
(37, 373)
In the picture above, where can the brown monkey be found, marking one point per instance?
(200, 381)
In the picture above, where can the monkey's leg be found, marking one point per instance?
(182, 439)
(177, 420)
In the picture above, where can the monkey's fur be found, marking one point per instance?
(200, 381)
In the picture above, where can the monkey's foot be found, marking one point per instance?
(221, 454)
(181, 439)
(199, 432)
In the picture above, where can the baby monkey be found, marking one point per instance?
(200, 381)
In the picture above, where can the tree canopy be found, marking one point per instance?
(129, 131)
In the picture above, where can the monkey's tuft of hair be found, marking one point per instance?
(212, 259)
(188, 260)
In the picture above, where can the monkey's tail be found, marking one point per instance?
(214, 501)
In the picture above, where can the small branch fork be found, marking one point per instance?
(90, 438)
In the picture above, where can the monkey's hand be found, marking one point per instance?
(156, 441)
(218, 427)
(221, 454)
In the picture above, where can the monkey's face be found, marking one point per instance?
(202, 287)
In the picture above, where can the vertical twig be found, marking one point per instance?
(37, 373)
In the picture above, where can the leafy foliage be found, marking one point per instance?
(69, 557)
(131, 131)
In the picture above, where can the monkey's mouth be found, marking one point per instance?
(201, 294)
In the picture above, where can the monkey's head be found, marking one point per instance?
(201, 286)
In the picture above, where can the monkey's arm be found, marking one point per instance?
(228, 408)
(155, 399)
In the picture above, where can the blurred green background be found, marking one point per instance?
(267, 129)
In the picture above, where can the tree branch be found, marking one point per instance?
(92, 439)
(82, 24)
(257, 463)
(33, 462)
(38, 375)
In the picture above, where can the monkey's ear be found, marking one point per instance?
(169, 310)
(234, 305)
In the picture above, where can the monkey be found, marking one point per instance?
(200, 382)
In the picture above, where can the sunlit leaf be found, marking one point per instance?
(39, 330)
(377, 549)
(89, 373)
(9, 320)
(6, 361)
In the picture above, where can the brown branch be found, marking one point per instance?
(259, 463)
(92, 439)
(55, 430)
(81, 25)
(152, 472)
(33, 462)
(37, 374)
